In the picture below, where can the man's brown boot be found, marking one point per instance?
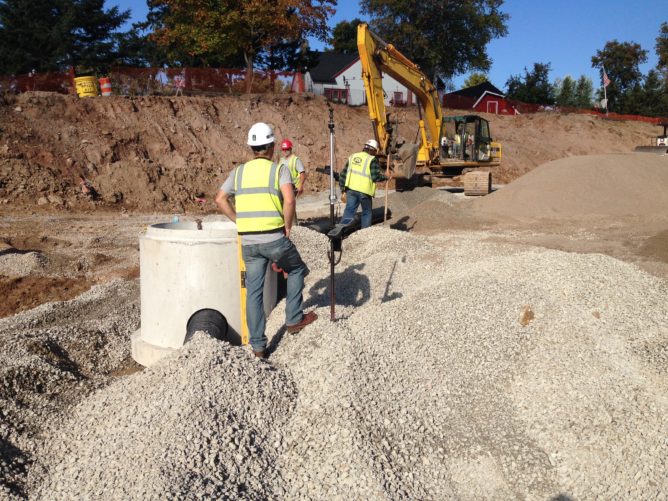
(308, 318)
(260, 354)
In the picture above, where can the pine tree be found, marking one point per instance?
(48, 35)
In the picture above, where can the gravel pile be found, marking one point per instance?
(459, 367)
(204, 425)
(15, 263)
(53, 356)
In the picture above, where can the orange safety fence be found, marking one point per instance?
(465, 102)
(163, 81)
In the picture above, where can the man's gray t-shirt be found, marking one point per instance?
(284, 177)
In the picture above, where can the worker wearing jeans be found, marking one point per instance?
(257, 258)
(264, 211)
(358, 181)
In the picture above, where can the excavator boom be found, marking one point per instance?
(447, 146)
(378, 57)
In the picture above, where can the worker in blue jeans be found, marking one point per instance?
(264, 211)
(358, 181)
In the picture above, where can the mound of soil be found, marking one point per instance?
(598, 185)
(160, 153)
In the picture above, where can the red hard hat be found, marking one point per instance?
(286, 144)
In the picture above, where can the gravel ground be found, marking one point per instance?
(459, 367)
(52, 357)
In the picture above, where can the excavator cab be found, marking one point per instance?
(465, 138)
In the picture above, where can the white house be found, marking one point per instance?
(339, 78)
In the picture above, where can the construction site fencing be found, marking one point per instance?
(128, 81)
(467, 103)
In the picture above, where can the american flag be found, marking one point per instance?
(606, 80)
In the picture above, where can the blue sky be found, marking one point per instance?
(564, 33)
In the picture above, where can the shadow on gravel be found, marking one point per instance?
(402, 225)
(562, 497)
(14, 461)
(352, 289)
(12, 250)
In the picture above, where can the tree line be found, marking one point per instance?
(445, 39)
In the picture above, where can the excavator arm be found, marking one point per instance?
(378, 57)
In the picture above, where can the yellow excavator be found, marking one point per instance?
(447, 146)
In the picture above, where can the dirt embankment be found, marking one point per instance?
(159, 153)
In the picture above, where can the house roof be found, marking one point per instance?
(485, 94)
(329, 65)
(477, 90)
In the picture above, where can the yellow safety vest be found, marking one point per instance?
(292, 165)
(258, 198)
(358, 177)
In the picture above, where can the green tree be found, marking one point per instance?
(344, 37)
(662, 49)
(652, 99)
(564, 91)
(444, 38)
(225, 28)
(621, 61)
(475, 79)
(93, 43)
(534, 87)
(49, 35)
(584, 92)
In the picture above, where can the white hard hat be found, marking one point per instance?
(260, 134)
(372, 143)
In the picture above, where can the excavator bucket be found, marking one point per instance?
(403, 162)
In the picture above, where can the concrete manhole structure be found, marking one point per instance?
(190, 279)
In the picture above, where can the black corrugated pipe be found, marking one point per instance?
(211, 321)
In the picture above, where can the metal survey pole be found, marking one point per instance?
(332, 200)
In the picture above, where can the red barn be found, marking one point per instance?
(483, 98)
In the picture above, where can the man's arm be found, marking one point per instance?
(342, 177)
(289, 205)
(302, 180)
(374, 169)
(223, 203)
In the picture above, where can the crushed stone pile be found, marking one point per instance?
(459, 367)
(205, 424)
(15, 263)
(51, 357)
(630, 184)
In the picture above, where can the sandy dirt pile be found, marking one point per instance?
(160, 153)
(630, 184)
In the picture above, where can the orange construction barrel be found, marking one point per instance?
(105, 86)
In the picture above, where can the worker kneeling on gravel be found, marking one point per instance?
(358, 182)
(264, 212)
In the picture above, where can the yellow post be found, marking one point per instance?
(242, 278)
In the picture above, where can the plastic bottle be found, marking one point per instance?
(175, 219)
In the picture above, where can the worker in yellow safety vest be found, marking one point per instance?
(264, 211)
(294, 163)
(358, 181)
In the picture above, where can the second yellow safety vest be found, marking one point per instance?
(258, 198)
(291, 162)
(358, 177)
